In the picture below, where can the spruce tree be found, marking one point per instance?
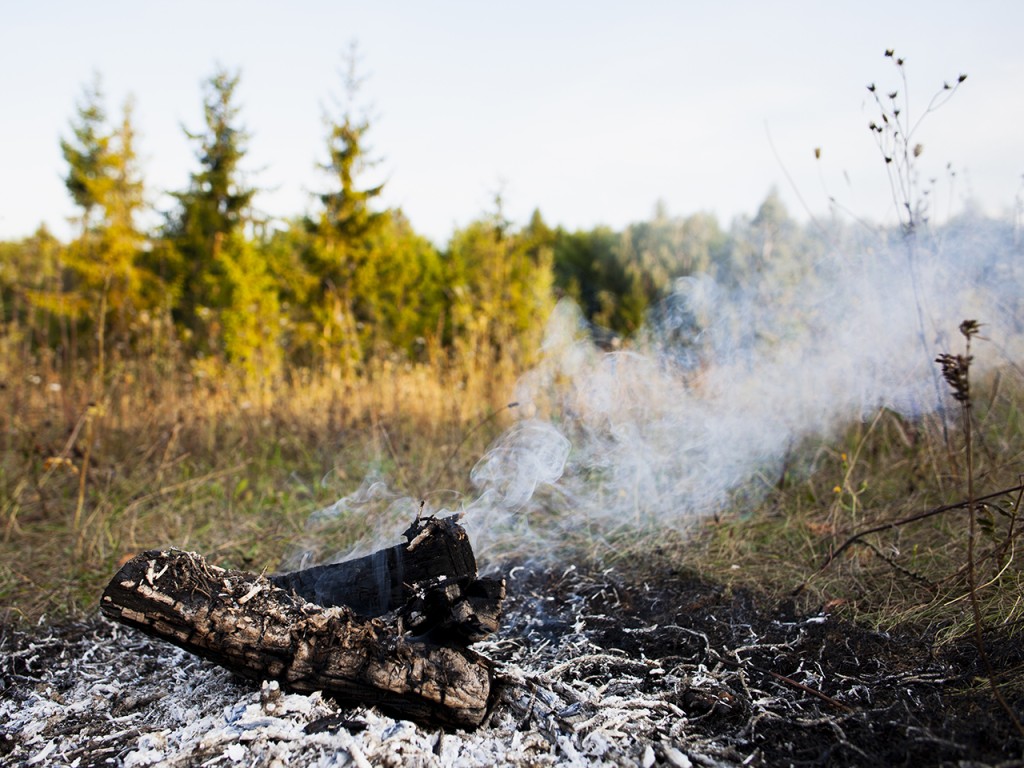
(105, 286)
(214, 208)
(86, 152)
(344, 235)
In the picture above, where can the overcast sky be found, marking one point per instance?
(590, 111)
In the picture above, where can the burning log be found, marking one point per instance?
(389, 629)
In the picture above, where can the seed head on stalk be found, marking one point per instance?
(956, 368)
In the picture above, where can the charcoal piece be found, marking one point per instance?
(385, 580)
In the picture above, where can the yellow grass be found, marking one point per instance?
(90, 474)
(161, 455)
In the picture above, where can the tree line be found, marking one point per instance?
(331, 290)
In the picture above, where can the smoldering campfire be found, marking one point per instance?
(390, 629)
(574, 666)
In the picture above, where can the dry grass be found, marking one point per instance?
(171, 458)
(89, 475)
(912, 572)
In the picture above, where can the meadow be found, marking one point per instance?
(156, 460)
(161, 460)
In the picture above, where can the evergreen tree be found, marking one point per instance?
(211, 212)
(408, 290)
(769, 245)
(766, 259)
(251, 315)
(114, 272)
(86, 152)
(617, 278)
(287, 253)
(500, 288)
(105, 283)
(341, 257)
(593, 267)
(667, 248)
(34, 269)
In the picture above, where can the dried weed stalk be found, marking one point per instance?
(895, 134)
(956, 370)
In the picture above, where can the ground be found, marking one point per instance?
(646, 667)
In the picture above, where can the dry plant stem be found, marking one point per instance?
(1010, 533)
(895, 139)
(979, 633)
(82, 421)
(83, 474)
(1001, 567)
(897, 567)
(165, 458)
(956, 370)
(834, 554)
(12, 526)
(101, 325)
(965, 411)
(399, 469)
(90, 419)
(847, 485)
(465, 437)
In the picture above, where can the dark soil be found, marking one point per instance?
(796, 689)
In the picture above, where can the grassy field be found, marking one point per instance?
(161, 458)
(908, 481)
(90, 475)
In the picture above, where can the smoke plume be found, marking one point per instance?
(729, 380)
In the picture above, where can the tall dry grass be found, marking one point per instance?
(161, 453)
(877, 524)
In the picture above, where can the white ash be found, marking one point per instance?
(101, 694)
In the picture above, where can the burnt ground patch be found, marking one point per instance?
(770, 686)
(657, 667)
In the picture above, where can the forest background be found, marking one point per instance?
(229, 288)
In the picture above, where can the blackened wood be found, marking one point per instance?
(434, 549)
(452, 612)
(259, 630)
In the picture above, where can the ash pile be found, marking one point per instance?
(593, 667)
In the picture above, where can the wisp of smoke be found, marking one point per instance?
(704, 408)
(727, 381)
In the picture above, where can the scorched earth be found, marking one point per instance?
(596, 668)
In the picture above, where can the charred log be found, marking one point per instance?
(434, 548)
(411, 660)
(430, 582)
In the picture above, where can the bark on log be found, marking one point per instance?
(256, 628)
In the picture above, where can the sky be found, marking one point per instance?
(592, 112)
